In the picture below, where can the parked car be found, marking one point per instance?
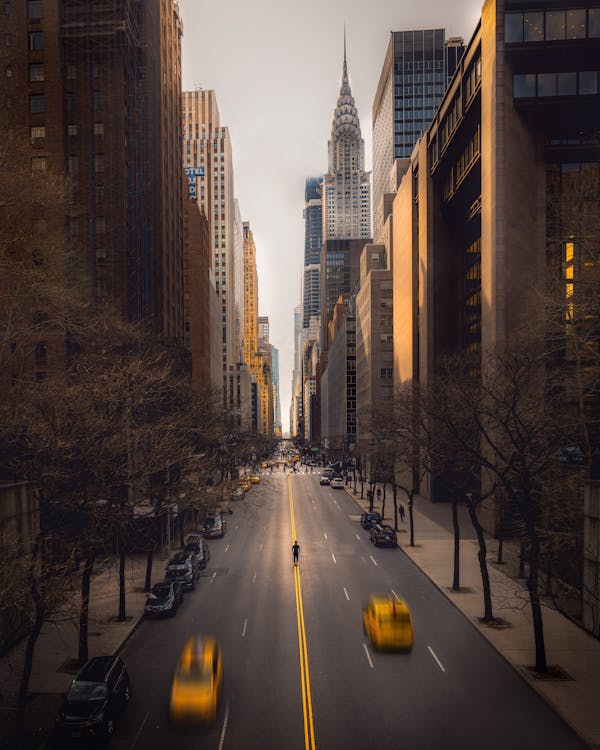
(255, 479)
(164, 599)
(196, 544)
(383, 535)
(197, 682)
(324, 480)
(369, 518)
(337, 483)
(182, 568)
(387, 623)
(215, 526)
(95, 700)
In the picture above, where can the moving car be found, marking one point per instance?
(197, 682)
(254, 479)
(196, 544)
(95, 700)
(387, 623)
(337, 483)
(164, 599)
(369, 518)
(324, 480)
(182, 568)
(383, 535)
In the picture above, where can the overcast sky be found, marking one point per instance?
(276, 68)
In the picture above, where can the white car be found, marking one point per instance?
(337, 483)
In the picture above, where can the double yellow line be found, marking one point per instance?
(307, 712)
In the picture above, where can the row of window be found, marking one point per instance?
(37, 102)
(528, 85)
(463, 164)
(552, 25)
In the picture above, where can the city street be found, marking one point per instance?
(331, 690)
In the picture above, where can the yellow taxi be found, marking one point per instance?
(255, 479)
(387, 623)
(264, 465)
(245, 483)
(197, 682)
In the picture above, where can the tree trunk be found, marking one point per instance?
(395, 493)
(456, 526)
(82, 655)
(40, 614)
(122, 560)
(521, 560)
(411, 519)
(383, 503)
(500, 561)
(536, 608)
(481, 555)
(149, 560)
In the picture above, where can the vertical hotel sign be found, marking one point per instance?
(192, 173)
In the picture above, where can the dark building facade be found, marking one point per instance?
(95, 89)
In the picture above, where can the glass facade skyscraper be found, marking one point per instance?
(417, 69)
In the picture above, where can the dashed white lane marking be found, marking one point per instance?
(396, 595)
(439, 663)
(333, 557)
(254, 577)
(139, 731)
(244, 628)
(226, 548)
(225, 722)
(356, 535)
(260, 547)
(373, 560)
(345, 592)
(325, 534)
(214, 575)
(368, 655)
(236, 528)
(363, 559)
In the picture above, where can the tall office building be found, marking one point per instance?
(417, 68)
(238, 262)
(207, 145)
(346, 187)
(313, 239)
(276, 397)
(81, 84)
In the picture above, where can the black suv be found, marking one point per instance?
(369, 518)
(194, 543)
(214, 526)
(182, 568)
(95, 700)
(164, 599)
(383, 536)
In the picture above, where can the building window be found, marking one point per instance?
(7, 9)
(8, 71)
(9, 102)
(73, 226)
(73, 165)
(546, 84)
(34, 8)
(97, 100)
(100, 225)
(98, 128)
(576, 24)
(71, 72)
(36, 72)
(594, 22)
(588, 82)
(99, 163)
(36, 40)
(71, 130)
(567, 84)
(99, 194)
(7, 40)
(38, 164)
(97, 70)
(524, 85)
(37, 134)
(555, 24)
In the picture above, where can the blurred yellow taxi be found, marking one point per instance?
(387, 623)
(255, 479)
(264, 465)
(197, 682)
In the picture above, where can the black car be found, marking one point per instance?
(182, 568)
(194, 543)
(164, 599)
(383, 535)
(369, 518)
(95, 700)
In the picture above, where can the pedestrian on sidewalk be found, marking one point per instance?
(401, 509)
(378, 494)
(295, 551)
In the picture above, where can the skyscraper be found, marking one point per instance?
(346, 187)
(313, 239)
(81, 83)
(417, 68)
(207, 144)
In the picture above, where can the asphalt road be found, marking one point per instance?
(451, 691)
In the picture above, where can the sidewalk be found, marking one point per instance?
(57, 646)
(576, 700)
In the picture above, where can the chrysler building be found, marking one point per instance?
(346, 190)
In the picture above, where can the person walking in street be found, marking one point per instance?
(295, 551)
(401, 509)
